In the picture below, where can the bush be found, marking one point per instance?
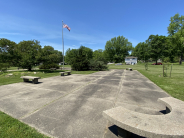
(166, 59)
(79, 59)
(48, 66)
(97, 65)
(176, 59)
(3, 67)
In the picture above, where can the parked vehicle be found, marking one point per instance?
(156, 64)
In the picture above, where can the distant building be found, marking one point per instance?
(131, 60)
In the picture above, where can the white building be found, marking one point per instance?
(131, 60)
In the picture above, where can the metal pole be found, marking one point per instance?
(63, 44)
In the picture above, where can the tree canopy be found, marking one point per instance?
(117, 49)
(176, 33)
(28, 52)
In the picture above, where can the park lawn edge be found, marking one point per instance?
(17, 79)
(11, 127)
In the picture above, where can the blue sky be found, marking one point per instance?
(92, 22)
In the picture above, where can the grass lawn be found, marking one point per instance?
(13, 128)
(173, 86)
(65, 66)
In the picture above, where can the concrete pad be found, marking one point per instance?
(114, 83)
(101, 73)
(139, 85)
(24, 102)
(142, 97)
(63, 86)
(86, 79)
(111, 77)
(111, 131)
(6, 90)
(98, 91)
(61, 78)
(134, 72)
(116, 73)
(74, 116)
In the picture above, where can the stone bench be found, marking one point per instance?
(130, 69)
(34, 79)
(52, 69)
(68, 72)
(169, 125)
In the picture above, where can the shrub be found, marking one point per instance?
(166, 59)
(48, 66)
(79, 59)
(97, 65)
(3, 67)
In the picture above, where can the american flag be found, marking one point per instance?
(66, 26)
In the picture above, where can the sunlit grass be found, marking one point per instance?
(13, 128)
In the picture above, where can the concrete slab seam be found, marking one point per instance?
(120, 85)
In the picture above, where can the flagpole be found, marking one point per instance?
(63, 44)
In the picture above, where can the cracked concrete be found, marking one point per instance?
(71, 106)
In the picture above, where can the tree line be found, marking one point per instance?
(168, 48)
(27, 54)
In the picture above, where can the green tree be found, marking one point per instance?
(79, 59)
(70, 53)
(7, 52)
(28, 53)
(142, 51)
(50, 56)
(176, 32)
(157, 44)
(117, 49)
(98, 55)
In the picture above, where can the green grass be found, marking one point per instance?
(65, 66)
(173, 86)
(13, 128)
(5, 79)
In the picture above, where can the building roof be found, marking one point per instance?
(131, 57)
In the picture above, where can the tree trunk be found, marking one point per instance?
(181, 57)
(156, 61)
(29, 69)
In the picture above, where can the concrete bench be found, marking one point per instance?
(68, 72)
(169, 125)
(52, 69)
(130, 69)
(34, 79)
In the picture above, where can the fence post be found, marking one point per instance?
(163, 70)
(171, 70)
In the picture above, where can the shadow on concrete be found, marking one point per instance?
(163, 111)
(31, 82)
(114, 130)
